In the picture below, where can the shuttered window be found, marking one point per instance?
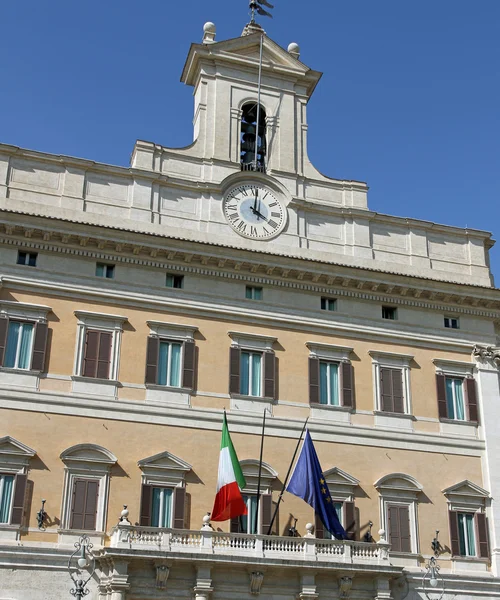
(347, 516)
(469, 534)
(84, 504)
(97, 354)
(391, 390)
(22, 344)
(252, 523)
(170, 363)
(398, 517)
(163, 507)
(252, 373)
(331, 383)
(457, 398)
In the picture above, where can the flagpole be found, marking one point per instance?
(286, 478)
(260, 470)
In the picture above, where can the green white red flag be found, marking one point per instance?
(229, 502)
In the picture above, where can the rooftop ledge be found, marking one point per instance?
(208, 544)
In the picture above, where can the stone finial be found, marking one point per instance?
(251, 28)
(294, 50)
(309, 530)
(209, 31)
(124, 516)
(381, 534)
(206, 523)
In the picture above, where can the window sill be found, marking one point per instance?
(20, 378)
(164, 394)
(339, 414)
(92, 386)
(405, 559)
(251, 404)
(68, 537)
(456, 427)
(469, 563)
(9, 532)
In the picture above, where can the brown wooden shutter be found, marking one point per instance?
(454, 539)
(482, 535)
(4, 328)
(90, 353)
(234, 370)
(104, 355)
(350, 520)
(347, 385)
(399, 528)
(386, 399)
(152, 350)
(394, 532)
(90, 511)
(397, 391)
(145, 512)
(78, 503)
(18, 503)
(404, 524)
(39, 347)
(269, 374)
(471, 391)
(179, 507)
(313, 380)
(441, 396)
(266, 512)
(319, 528)
(234, 526)
(188, 367)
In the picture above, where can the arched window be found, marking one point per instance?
(253, 138)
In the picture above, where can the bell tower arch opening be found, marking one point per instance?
(253, 145)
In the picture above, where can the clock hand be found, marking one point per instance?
(258, 214)
(256, 197)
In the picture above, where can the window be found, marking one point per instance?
(104, 270)
(253, 142)
(389, 312)
(251, 373)
(163, 491)
(27, 258)
(331, 377)
(23, 343)
(252, 366)
(6, 488)
(170, 357)
(391, 374)
(175, 281)
(253, 293)
(328, 304)
(452, 322)
(249, 522)
(399, 510)
(98, 351)
(342, 487)
(456, 391)
(319, 529)
(86, 488)
(468, 522)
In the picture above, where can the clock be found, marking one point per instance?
(254, 211)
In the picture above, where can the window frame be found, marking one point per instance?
(450, 320)
(457, 370)
(342, 487)
(396, 361)
(106, 270)
(175, 277)
(254, 292)
(326, 301)
(28, 257)
(389, 310)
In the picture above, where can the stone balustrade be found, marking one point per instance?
(209, 542)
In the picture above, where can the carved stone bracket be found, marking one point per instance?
(256, 580)
(345, 585)
(162, 573)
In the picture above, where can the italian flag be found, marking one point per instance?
(228, 500)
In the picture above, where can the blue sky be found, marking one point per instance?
(409, 101)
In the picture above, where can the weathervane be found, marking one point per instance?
(256, 7)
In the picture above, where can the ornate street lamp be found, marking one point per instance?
(82, 554)
(432, 581)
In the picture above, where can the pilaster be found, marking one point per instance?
(203, 587)
(382, 589)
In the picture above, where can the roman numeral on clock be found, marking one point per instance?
(272, 223)
(276, 215)
(242, 226)
(271, 204)
(253, 230)
(233, 216)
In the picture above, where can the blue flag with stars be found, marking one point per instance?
(307, 482)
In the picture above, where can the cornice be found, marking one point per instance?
(186, 256)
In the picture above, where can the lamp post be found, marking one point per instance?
(432, 578)
(82, 554)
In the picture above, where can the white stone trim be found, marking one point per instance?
(454, 367)
(103, 322)
(164, 469)
(14, 456)
(252, 341)
(164, 394)
(466, 497)
(392, 360)
(340, 484)
(173, 331)
(250, 468)
(329, 352)
(24, 311)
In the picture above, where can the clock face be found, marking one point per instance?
(254, 212)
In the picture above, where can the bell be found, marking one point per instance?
(248, 158)
(248, 128)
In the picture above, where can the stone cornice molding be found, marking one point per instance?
(291, 271)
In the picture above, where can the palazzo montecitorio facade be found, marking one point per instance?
(137, 303)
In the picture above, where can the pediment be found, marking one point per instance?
(466, 488)
(11, 447)
(398, 482)
(250, 468)
(337, 477)
(88, 453)
(165, 461)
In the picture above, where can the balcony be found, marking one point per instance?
(209, 544)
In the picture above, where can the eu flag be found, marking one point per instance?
(308, 483)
